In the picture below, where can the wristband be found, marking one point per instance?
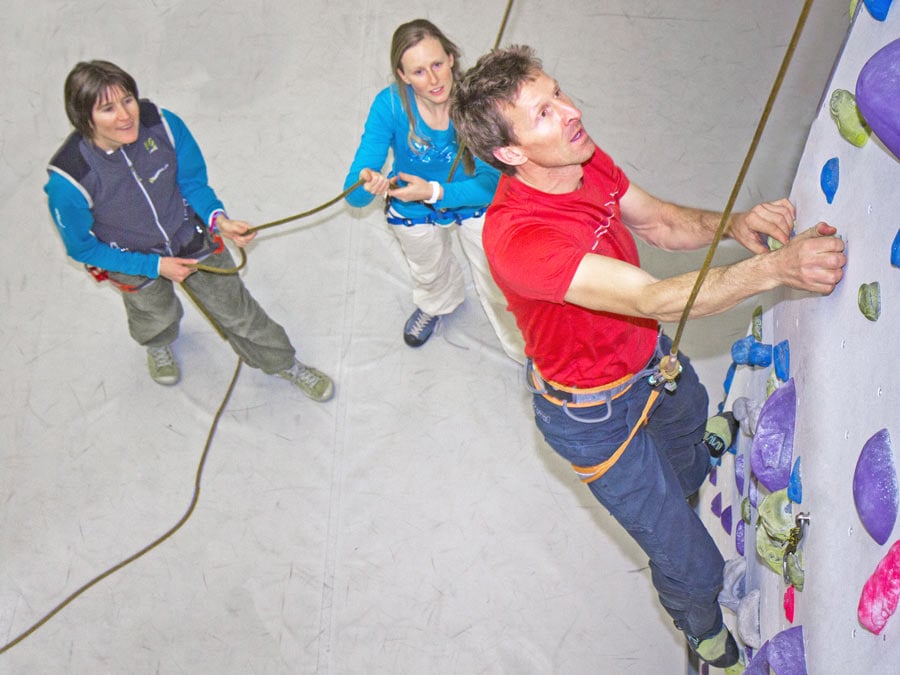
(435, 192)
(215, 218)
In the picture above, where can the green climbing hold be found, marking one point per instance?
(846, 115)
(870, 300)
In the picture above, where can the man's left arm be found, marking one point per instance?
(679, 228)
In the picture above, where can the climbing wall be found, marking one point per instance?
(805, 504)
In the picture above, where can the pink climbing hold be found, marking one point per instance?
(878, 600)
(789, 604)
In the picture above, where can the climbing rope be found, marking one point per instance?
(669, 367)
(149, 547)
(274, 223)
(462, 144)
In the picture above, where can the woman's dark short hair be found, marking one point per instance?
(89, 82)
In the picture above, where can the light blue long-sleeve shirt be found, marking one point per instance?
(387, 128)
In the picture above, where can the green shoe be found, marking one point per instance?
(846, 115)
(314, 383)
(162, 365)
(720, 650)
(720, 433)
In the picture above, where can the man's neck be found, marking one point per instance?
(555, 180)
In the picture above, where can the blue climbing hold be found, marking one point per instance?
(878, 8)
(795, 485)
(895, 251)
(781, 354)
(729, 376)
(830, 178)
(748, 352)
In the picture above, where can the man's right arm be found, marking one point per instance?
(811, 261)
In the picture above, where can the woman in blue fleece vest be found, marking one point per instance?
(129, 195)
(411, 118)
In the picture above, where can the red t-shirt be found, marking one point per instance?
(534, 242)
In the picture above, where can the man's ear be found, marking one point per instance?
(510, 155)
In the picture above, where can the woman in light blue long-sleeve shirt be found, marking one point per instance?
(425, 204)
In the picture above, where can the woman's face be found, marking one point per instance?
(115, 119)
(429, 69)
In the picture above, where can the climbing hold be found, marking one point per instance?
(789, 598)
(748, 352)
(729, 378)
(756, 323)
(784, 654)
(748, 619)
(771, 552)
(775, 515)
(830, 177)
(875, 487)
(792, 569)
(878, 8)
(895, 250)
(746, 412)
(781, 356)
(740, 537)
(716, 506)
(846, 115)
(878, 94)
(869, 298)
(734, 583)
(878, 600)
(771, 452)
(726, 519)
(746, 510)
(739, 473)
(795, 485)
(753, 493)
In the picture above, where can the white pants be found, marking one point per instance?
(439, 286)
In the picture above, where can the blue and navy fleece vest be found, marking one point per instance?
(133, 192)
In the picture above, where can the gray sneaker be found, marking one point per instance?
(314, 383)
(162, 365)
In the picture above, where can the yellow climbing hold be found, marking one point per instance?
(846, 115)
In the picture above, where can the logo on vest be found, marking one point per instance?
(150, 146)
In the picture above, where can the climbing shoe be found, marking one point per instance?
(314, 383)
(720, 650)
(721, 430)
(419, 327)
(162, 365)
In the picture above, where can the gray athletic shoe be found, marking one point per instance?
(162, 365)
(314, 383)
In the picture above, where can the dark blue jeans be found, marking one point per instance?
(646, 490)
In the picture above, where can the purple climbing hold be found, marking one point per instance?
(878, 8)
(727, 520)
(830, 177)
(795, 485)
(713, 476)
(771, 453)
(781, 356)
(739, 473)
(739, 536)
(875, 489)
(753, 493)
(878, 94)
(785, 654)
(716, 505)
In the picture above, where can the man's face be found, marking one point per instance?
(547, 126)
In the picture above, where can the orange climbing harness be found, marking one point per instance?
(571, 397)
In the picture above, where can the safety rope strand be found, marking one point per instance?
(282, 221)
(115, 568)
(462, 144)
(726, 214)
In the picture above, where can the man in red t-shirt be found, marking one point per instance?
(559, 238)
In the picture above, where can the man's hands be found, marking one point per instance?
(812, 260)
(769, 219)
